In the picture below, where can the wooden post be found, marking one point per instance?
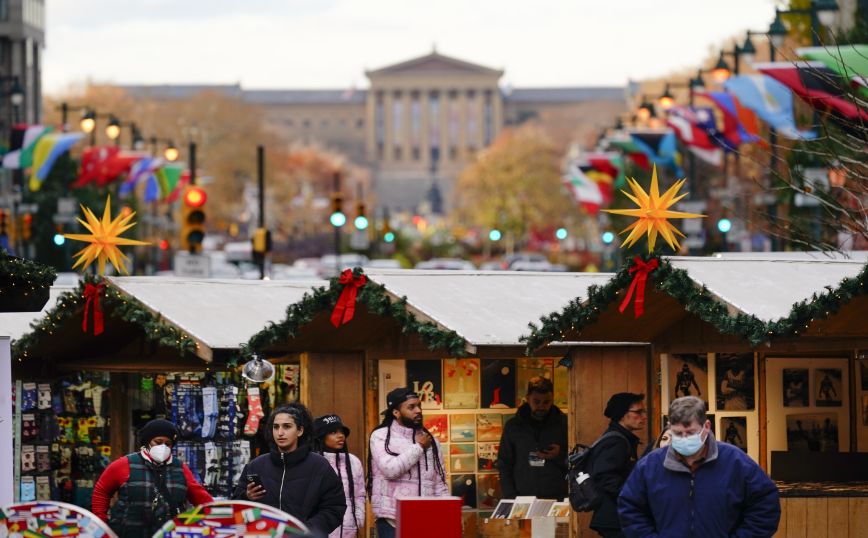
(762, 411)
(119, 415)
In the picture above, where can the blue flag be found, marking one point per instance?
(770, 100)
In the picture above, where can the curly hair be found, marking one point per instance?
(300, 415)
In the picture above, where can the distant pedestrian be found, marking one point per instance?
(698, 486)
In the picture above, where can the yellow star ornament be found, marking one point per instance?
(104, 239)
(653, 213)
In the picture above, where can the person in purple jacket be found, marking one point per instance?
(697, 486)
(330, 440)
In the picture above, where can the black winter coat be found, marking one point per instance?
(611, 463)
(300, 483)
(522, 435)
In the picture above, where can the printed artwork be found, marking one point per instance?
(503, 509)
(527, 369)
(461, 383)
(462, 458)
(795, 387)
(498, 383)
(688, 375)
(488, 491)
(425, 378)
(489, 426)
(562, 387)
(827, 387)
(735, 382)
(487, 457)
(734, 431)
(462, 428)
(817, 432)
(464, 486)
(49, 518)
(438, 425)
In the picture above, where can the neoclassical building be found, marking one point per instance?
(421, 121)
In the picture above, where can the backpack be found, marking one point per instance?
(583, 493)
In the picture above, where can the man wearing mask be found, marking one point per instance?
(697, 486)
(404, 460)
(614, 456)
(152, 485)
(533, 447)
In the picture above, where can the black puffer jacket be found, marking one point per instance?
(300, 483)
(611, 463)
(522, 435)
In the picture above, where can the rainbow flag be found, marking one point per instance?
(47, 150)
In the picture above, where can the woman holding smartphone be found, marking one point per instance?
(291, 477)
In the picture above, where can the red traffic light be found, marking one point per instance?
(194, 197)
(164, 245)
(27, 218)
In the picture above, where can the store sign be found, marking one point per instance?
(192, 265)
(7, 482)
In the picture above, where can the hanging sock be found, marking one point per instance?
(44, 402)
(28, 489)
(28, 397)
(209, 405)
(43, 488)
(254, 413)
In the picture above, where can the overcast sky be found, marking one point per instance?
(330, 43)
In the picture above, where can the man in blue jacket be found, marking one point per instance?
(697, 486)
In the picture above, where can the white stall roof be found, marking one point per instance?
(486, 308)
(219, 314)
(815, 255)
(17, 324)
(767, 288)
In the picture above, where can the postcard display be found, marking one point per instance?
(727, 383)
(466, 403)
(65, 427)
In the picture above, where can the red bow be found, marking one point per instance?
(91, 295)
(346, 305)
(642, 270)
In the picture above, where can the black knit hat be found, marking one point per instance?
(327, 424)
(157, 428)
(398, 396)
(620, 403)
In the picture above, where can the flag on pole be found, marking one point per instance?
(583, 189)
(689, 130)
(48, 149)
(770, 100)
(735, 131)
(22, 156)
(141, 170)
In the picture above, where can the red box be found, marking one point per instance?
(424, 517)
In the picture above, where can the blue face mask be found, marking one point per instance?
(688, 446)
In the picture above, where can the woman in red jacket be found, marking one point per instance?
(152, 486)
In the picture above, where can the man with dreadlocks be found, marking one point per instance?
(330, 440)
(404, 460)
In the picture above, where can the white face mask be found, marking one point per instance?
(160, 453)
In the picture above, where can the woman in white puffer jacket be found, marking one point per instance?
(330, 440)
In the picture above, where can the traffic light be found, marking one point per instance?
(58, 238)
(26, 226)
(361, 221)
(193, 219)
(262, 241)
(337, 217)
(4, 224)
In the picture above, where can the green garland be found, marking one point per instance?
(375, 299)
(114, 304)
(18, 272)
(699, 301)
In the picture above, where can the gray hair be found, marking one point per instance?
(686, 409)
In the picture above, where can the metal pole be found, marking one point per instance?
(691, 157)
(337, 190)
(192, 163)
(773, 141)
(260, 172)
(64, 112)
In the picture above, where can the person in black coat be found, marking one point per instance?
(533, 447)
(614, 457)
(294, 479)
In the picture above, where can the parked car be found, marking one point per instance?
(532, 257)
(524, 265)
(452, 264)
(494, 265)
(383, 263)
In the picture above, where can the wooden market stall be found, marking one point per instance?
(778, 347)
(453, 335)
(159, 343)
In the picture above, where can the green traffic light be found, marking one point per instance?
(338, 219)
(389, 237)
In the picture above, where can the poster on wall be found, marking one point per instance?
(795, 387)
(464, 486)
(815, 432)
(488, 486)
(425, 378)
(461, 383)
(688, 375)
(462, 428)
(735, 382)
(562, 387)
(734, 431)
(437, 425)
(527, 369)
(487, 457)
(489, 426)
(827, 386)
(462, 458)
(498, 383)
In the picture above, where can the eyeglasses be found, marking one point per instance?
(638, 411)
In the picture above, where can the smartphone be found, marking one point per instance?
(254, 479)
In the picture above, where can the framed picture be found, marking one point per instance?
(461, 383)
(462, 458)
(425, 378)
(438, 425)
(796, 389)
(498, 383)
(735, 382)
(688, 375)
(827, 387)
(710, 418)
(815, 432)
(462, 428)
(488, 491)
(489, 426)
(527, 369)
(486, 459)
(464, 486)
(734, 431)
